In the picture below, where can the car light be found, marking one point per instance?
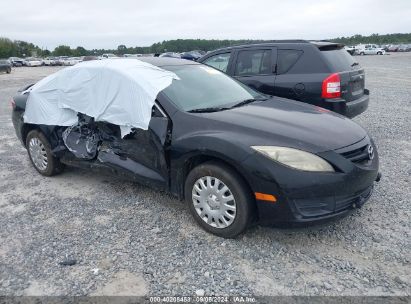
(265, 197)
(294, 158)
(331, 87)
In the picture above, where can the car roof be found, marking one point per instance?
(320, 44)
(166, 61)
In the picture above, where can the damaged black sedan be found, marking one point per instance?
(234, 155)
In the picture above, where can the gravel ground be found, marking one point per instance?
(130, 240)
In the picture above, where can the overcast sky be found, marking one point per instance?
(108, 23)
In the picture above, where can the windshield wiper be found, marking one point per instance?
(217, 109)
(208, 110)
(355, 63)
(247, 101)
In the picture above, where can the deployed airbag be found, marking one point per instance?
(118, 91)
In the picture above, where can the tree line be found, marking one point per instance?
(17, 48)
(375, 39)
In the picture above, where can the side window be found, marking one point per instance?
(253, 62)
(286, 59)
(220, 61)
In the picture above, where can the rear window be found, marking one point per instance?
(339, 60)
(286, 59)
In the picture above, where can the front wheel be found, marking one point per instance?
(8, 71)
(219, 199)
(379, 53)
(40, 154)
(362, 53)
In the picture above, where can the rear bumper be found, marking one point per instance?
(349, 109)
(17, 119)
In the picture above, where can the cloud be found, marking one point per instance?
(106, 24)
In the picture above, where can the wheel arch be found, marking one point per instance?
(48, 131)
(194, 160)
(25, 130)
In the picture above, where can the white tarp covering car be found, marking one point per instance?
(121, 92)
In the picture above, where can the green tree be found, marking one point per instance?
(7, 48)
(121, 49)
(80, 51)
(62, 50)
(45, 53)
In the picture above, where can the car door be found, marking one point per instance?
(255, 67)
(141, 155)
(288, 84)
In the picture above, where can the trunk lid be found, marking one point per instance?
(352, 84)
(351, 73)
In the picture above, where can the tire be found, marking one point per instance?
(362, 54)
(379, 53)
(8, 71)
(38, 148)
(236, 214)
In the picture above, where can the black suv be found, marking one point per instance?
(318, 73)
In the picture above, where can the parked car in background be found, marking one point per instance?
(318, 73)
(16, 61)
(369, 49)
(107, 56)
(50, 61)
(60, 60)
(5, 66)
(393, 48)
(132, 55)
(33, 62)
(350, 49)
(404, 48)
(88, 58)
(170, 55)
(192, 55)
(72, 61)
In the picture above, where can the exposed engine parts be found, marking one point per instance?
(84, 138)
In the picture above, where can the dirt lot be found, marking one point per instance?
(130, 240)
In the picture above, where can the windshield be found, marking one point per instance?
(202, 87)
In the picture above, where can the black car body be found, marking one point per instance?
(182, 138)
(318, 73)
(5, 66)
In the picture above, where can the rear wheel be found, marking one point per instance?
(219, 199)
(40, 154)
(362, 53)
(8, 71)
(379, 53)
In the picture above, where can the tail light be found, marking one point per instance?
(331, 87)
(12, 104)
